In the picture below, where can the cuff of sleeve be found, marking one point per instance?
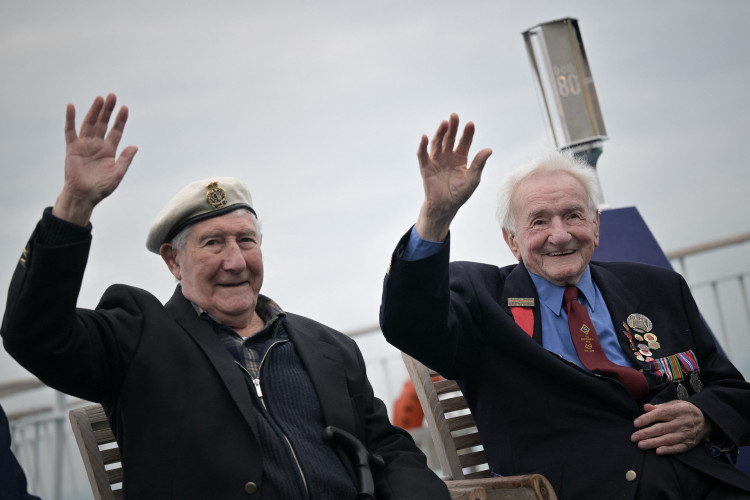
(418, 248)
(54, 231)
(720, 448)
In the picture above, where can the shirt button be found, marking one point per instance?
(630, 476)
(251, 487)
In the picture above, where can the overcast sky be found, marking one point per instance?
(319, 107)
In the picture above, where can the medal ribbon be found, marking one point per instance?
(524, 317)
(676, 366)
(688, 361)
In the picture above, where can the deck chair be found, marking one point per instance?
(457, 445)
(100, 453)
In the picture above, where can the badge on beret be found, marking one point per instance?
(215, 195)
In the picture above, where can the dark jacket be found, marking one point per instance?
(177, 402)
(537, 412)
(12, 477)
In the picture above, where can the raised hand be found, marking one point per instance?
(448, 180)
(670, 428)
(91, 171)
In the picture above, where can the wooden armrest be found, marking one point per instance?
(531, 487)
(467, 492)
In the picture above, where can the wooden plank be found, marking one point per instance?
(461, 422)
(473, 458)
(454, 404)
(464, 441)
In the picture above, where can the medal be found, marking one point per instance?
(695, 382)
(682, 393)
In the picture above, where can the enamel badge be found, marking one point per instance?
(637, 328)
(215, 195)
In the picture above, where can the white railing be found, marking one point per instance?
(718, 273)
(43, 442)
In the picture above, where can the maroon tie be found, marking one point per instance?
(590, 352)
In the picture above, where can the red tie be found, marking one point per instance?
(590, 352)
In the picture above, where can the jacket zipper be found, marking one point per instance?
(259, 393)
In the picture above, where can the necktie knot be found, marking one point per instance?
(570, 294)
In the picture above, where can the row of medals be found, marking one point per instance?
(642, 325)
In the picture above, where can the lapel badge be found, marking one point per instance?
(639, 323)
(642, 326)
(520, 302)
(215, 195)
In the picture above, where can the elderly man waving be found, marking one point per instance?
(602, 377)
(219, 393)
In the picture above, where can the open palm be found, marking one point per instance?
(447, 178)
(92, 171)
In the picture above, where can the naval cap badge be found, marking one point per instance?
(215, 195)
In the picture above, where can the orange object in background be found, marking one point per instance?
(407, 412)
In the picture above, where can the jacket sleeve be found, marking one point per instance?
(77, 351)
(429, 313)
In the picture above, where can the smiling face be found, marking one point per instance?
(220, 267)
(556, 231)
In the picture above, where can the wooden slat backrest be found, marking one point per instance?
(99, 451)
(458, 447)
(451, 425)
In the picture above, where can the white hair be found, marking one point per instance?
(548, 161)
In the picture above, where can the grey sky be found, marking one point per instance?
(319, 107)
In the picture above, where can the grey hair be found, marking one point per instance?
(548, 161)
(180, 239)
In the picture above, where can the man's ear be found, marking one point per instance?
(510, 240)
(596, 229)
(169, 254)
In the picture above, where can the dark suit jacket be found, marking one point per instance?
(177, 402)
(12, 477)
(537, 412)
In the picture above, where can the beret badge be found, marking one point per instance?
(215, 195)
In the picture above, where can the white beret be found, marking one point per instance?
(197, 201)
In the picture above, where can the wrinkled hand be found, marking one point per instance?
(448, 183)
(670, 428)
(91, 171)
